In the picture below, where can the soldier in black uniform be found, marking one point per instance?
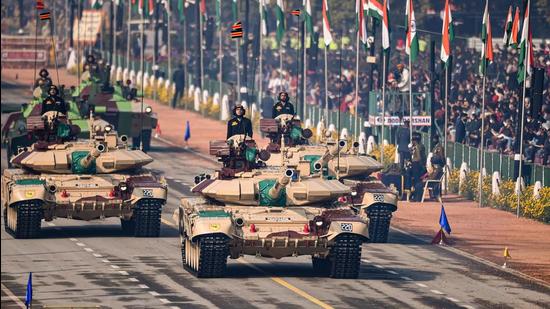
(54, 102)
(44, 79)
(283, 105)
(91, 66)
(239, 124)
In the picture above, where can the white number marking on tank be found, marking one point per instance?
(148, 192)
(277, 219)
(378, 197)
(346, 227)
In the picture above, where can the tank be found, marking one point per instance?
(58, 177)
(273, 212)
(337, 160)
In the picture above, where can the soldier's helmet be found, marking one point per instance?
(53, 90)
(283, 96)
(238, 106)
(44, 73)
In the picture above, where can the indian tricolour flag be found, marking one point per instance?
(307, 17)
(412, 39)
(385, 27)
(447, 34)
(515, 30)
(375, 9)
(263, 16)
(487, 39)
(361, 25)
(327, 36)
(507, 27)
(279, 11)
(525, 48)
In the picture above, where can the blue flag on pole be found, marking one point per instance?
(187, 135)
(443, 222)
(28, 297)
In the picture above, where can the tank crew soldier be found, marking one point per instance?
(54, 102)
(44, 79)
(239, 124)
(91, 65)
(283, 105)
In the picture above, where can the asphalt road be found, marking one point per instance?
(92, 263)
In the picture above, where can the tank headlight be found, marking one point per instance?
(123, 186)
(319, 223)
(148, 109)
(239, 222)
(108, 128)
(353, 193)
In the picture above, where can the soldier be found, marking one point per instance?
(418, 158)
(283, 105)
(44, 79)
(239, 124)
(91, 65)
(54, 102)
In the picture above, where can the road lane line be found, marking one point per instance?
(154, 293)
(289, 286)
(133, 279)
(12, 296)
(123, 272)
(143, 286)
(406, 278)
(73, 239)
(89, 249)
(454, 300)
(105, 261)
(97, 255)
(80, 244)
(437, 292)
(115, 267)
(422, 285)
(392, 272)
(164, 300)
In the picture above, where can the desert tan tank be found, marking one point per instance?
(337, 160)
(83, 180)
(248, 208)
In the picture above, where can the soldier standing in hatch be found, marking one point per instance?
(283, 105)
(239, 124)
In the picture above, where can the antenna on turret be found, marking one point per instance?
(339, 108)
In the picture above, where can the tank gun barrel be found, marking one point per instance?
(330, 154)
(92, 156)
(281, 182)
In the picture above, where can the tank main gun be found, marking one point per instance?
(86, 161)
(280, 184)
(329, 155)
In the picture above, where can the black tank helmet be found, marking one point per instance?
(44, 73)
(53, 91)
(90, 58)
(279, 97)
(237, 107)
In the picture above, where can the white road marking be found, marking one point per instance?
(115, 267)
(406, 278)
(468, 307)
(453, 299)
(365, 260)
(133, 279)
(392, 272)
(422, 285)
(73, 239)
(437, 292)
(105, 261)
(378, 266)
(164, 300)
(89, 249)
(97, 255)
(154, 293)
(143, 286)
(14, 298)
(123, 272)
(80, 244)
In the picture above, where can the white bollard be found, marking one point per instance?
(449, 164)
(244, 104)
(138, 79)
(483, 172)
(167, 84)
(146, 80)
(224, 110)
(536, 189)
(362, 144)
(307, 124)
(118, 75)
(396, 158)
(520, 186)
(462, 176)
(344, 134)
(495, 184)
(331, 128)
(204, 96)
(254, 110)
(160, 82)
(320, 129)
(385, 142)
(216, 99)
(370, 144)
(197, 99)
(132, 77)
(71, 62)
(191, 91)
(125, 76)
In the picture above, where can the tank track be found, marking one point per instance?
(379, 222)
(345, 257)
(128, 226)
(321, 266)
(28, 222)
(147, 218)
(208, 256)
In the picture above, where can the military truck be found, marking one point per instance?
(343, 162)
(247, 208)
(59, 177)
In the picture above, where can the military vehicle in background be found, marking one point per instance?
(59, 177)
(375, 200)
(247, 208)
(116, 104)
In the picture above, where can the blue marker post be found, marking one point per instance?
(28, 296)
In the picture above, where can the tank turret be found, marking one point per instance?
(87, 161)
(280, 184)
(331, 153)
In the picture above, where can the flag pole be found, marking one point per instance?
(169, 30)
(383, 106)
(281, 65)
(142, 60)
(260, 57)
(201, 51)
(238, 47)
(410, 99)
(480, 193)
(78, 8)
(220, 55)
(326, 88)
(128, 37)
(356, 135)
(52, 32)
(113, 56)
(525, 68)
(304, 101)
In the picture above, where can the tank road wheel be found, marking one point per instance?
(24, 219)
(128, 226)
(147, 218)
(207, 258)
(379, 222)
(345, 257)
(321, 266)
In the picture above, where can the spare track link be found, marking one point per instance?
(147, 218)
(345, 257)
(29, 220)
(379, 223)
(213, 251)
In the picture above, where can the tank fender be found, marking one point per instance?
(211, 225)
(26, 193)
(358, 227)
(368, 199)
(152, 192)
